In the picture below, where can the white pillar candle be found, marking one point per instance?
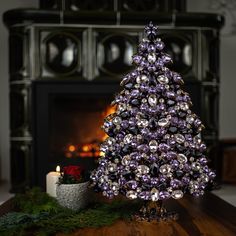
(51, 182)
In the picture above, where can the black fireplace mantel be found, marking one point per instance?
(21, 16)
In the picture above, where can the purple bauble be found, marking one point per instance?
(137, 59)
(151, 48)
(163, 147)
(145, 195)
(160, 45)
(164, 195)
(143, 46)
(159, 63)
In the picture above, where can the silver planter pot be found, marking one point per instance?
(73, 196)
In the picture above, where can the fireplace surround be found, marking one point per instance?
(65, 67)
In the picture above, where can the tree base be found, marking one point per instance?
(154, 211)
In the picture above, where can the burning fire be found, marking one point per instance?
(83, 150)
(89, 149)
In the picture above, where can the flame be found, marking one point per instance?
(71, 148)
(86, 148)
(101, 154)
(58, 169)
(109, 110)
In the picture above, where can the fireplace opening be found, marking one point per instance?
(67, 125)
(75, 126)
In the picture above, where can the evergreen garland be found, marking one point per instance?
(46, 217)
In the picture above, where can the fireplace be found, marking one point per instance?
(67, 120)
(66, 61)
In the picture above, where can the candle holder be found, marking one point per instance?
(72, 190)
(73, 196)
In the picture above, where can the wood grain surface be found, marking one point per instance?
(205, 216)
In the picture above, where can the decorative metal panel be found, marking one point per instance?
(19, 54)
(88, 5)
(20, 110)
(143, 5)
(51, 4)
(183, 47)
(61, 53)
(210, 55)
(114, 5)
(113, 52)
(210, 111)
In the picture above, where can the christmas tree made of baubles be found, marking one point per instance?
(154, 150)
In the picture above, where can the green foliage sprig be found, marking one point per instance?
(35, 201)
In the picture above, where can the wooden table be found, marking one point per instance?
(205, 216)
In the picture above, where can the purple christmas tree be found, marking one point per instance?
(154, 150)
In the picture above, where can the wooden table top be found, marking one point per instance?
(207, 215)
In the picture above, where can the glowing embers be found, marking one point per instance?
(83, 150)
